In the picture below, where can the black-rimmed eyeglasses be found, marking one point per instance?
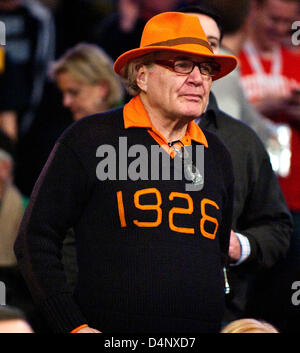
(187, 66)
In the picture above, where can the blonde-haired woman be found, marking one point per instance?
(85, 76)
(249, 325)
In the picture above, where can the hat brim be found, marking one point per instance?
(227, 62)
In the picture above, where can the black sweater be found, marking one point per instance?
(137, 273)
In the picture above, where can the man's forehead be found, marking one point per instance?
(172, 55)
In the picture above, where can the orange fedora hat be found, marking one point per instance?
(177, 32)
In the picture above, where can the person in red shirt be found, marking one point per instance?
(271, 80)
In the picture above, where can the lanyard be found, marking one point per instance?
(256, 64)
(280, 153)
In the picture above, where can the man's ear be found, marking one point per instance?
(142, 78)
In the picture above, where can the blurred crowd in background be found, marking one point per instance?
(42, 79)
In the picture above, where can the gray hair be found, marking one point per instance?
(130, 70)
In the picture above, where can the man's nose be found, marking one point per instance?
(195, 76)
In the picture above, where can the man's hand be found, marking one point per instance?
(293, 113)
(88, 329)
(289, 105)
(234, 247)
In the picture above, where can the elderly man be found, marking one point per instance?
(151, 246)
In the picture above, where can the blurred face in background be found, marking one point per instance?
(81, 98)
(211, 30)
(154, 7)
(10, 5)
(272, 20)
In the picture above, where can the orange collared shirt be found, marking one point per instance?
(135, 115)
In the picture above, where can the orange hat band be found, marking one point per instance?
(179, 41)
